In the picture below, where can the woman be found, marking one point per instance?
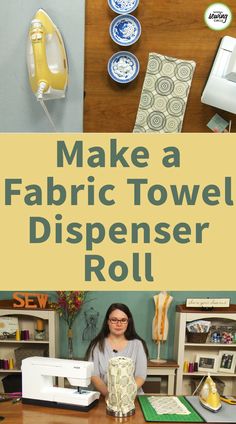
(117, 338)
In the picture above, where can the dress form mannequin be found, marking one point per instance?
(91, 319)
(160, 323)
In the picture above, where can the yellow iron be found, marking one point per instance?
(46, 59)
(209, 396)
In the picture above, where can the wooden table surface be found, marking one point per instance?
(31, 414)
(173, 28)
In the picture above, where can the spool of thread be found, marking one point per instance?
(22, 335)
(191, 367)
(186, 366)
(40, 325)
(17, 335)
(11, 364)
(195, 367)
(1, 364)
(26, 335)
(5, 364)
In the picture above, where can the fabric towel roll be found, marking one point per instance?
(164, 94)
(122, 388)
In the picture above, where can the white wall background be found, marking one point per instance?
(19, 109)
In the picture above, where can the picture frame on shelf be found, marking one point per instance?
(8, 327)
(207, 362)
(227, 361)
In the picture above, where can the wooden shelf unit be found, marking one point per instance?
(27, 319)
(185, 351)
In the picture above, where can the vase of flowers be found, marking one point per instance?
(69, 304)
(70, 343)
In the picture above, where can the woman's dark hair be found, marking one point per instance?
(130, 333)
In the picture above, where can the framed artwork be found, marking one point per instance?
(227, 361)
(207, 362)
(8, 327)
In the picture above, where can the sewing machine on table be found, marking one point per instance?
(220, 89)
(38, 383)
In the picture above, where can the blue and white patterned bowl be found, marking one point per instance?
(125, 30)
(123, 6)
(123, 67)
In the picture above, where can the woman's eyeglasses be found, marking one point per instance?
(120, 321)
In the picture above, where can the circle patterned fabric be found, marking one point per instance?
(164, 95)
(156, 121)
(147, 99)
(164, 86)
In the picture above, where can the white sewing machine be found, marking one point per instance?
(220, 89)
(38, 383)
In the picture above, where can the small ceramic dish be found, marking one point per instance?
(125, 30)
(123, 67)
(123, 6)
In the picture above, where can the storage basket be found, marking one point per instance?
(12, 383)
(196, 337)
(152, 385)
(25, 352)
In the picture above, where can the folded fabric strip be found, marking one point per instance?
(164, 94)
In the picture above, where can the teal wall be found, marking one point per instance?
(142, 307)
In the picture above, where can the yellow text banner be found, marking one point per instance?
(117, 211)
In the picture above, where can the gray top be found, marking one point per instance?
(134, 350)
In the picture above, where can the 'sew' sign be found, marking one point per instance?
(29, 300)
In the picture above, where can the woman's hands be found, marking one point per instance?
(139, 381)
(99, 385)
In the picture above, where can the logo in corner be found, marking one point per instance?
(218, 16)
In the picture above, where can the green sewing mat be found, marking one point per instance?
(151, 415)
